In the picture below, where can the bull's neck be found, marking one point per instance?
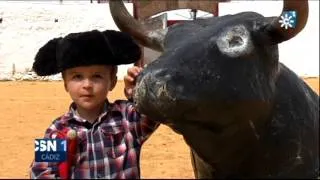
(225, 151)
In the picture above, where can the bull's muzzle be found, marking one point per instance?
(152, 94)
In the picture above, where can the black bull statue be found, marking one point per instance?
(219, 83)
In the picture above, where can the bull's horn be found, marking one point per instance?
(126, 23)
(281, 34)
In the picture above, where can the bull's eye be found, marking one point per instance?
(235, 41)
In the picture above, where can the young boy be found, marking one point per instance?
(109, 135)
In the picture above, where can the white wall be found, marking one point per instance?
(28, 25)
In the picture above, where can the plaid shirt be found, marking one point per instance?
(108, 148)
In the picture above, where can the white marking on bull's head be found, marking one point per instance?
(235, 41)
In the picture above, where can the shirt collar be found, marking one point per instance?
(73, 113)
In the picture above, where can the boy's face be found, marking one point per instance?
(88, 86)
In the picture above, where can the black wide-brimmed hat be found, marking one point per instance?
(84, 49)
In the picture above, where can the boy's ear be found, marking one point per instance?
(113, 83)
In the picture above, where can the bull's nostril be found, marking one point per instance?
(162, 91)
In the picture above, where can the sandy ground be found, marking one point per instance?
(27, 108)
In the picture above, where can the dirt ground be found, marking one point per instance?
(27, 108)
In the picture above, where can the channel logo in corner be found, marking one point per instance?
(50, 150)
(288, 19)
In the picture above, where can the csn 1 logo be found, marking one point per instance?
(50, 150)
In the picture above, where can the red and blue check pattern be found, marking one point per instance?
(108, 148)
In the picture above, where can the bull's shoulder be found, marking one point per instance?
(292, 131)
(290, 87)
(296, 105)
(295, 101)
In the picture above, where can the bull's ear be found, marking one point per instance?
(235, 41)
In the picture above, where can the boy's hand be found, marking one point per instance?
(130, 80)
